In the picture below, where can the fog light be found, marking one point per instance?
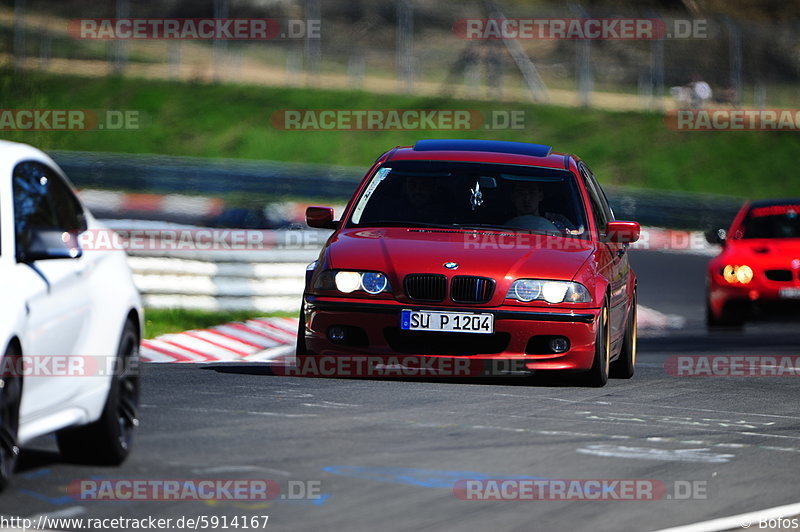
(559, 344)
(336, 334)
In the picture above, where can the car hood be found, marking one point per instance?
(400, 251)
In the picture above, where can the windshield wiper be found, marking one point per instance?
(514, 229)
(396, 223)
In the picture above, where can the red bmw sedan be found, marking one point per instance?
(475, 250)
(758, 271)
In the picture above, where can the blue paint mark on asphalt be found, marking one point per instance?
(427, 478)
(66, 499)
(37, 474)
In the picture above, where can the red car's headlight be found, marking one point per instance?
(348, 281)
(737, 274)
(551, 291)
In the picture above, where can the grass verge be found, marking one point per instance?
(224, 120)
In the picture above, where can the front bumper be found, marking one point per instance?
(754, 299)
(514, 329)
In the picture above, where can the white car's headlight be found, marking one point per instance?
(347, 281)
(551, 291)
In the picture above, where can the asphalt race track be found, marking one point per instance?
(384, 454)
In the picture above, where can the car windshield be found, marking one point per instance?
(775, 221)
(472, 196)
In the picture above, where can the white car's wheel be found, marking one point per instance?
(10, 395)
(108, 440)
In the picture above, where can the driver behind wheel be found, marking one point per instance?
(527, 198)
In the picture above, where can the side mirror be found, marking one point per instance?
(320, 217)
(47, 244)
(623, 232)
(716, 236)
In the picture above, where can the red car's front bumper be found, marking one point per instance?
(761, 294)
(519, 334)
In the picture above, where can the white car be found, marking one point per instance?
(70, 321)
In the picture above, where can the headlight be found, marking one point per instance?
(348, 282)
(550, 291)
(526, 289)
(744, 274)
(737, 274)
(374, 282)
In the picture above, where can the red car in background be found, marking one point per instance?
(758, 271)
(485, 250)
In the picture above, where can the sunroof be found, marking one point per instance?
(497, 146)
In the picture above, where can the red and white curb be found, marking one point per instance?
(675, 241)
(274, 339)
(653, 323)
(256, 340)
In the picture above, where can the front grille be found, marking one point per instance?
(426, 287)
(781, 276)
(468, 289)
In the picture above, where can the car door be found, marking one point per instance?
(618, 266)
(57, 307)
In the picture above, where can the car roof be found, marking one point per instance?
(481, 151)
(11, 153)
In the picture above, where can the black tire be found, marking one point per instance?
(597, 377)
(625, 366)
(300, 350)
(10, 397)
(731, 317)
(108, 440)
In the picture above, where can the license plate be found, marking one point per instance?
(790, 293)
(464, 322)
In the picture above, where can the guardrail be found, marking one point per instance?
(267, 277)
(168, 282)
